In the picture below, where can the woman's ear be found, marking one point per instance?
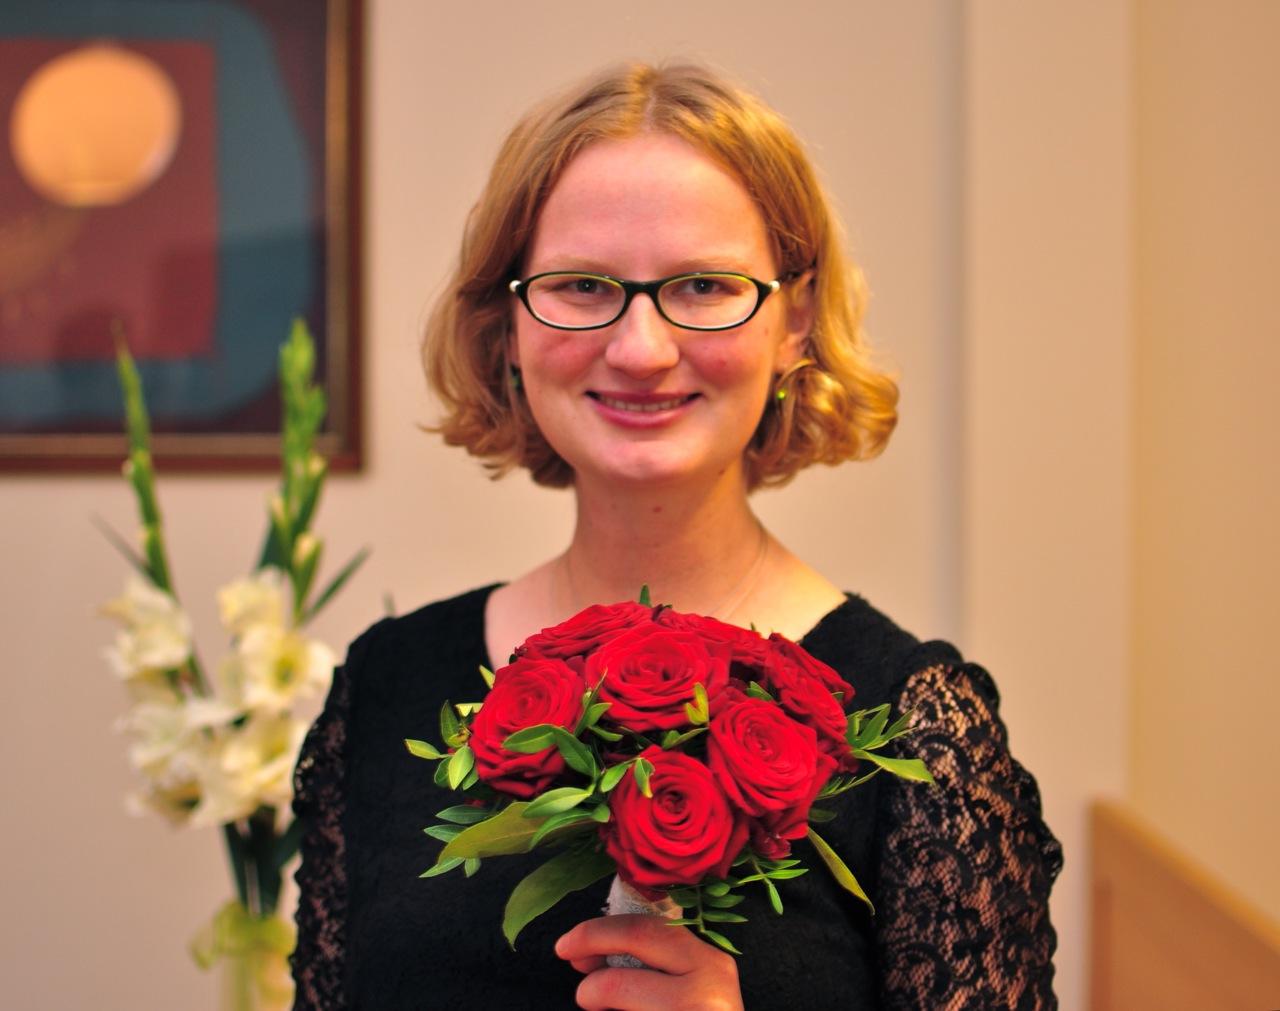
(801, 305)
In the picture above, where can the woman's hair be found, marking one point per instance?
(836, 406)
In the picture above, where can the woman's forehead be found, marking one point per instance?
(649, 193)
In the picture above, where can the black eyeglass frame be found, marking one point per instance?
(631, 289)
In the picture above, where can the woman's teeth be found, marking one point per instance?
(648, 408)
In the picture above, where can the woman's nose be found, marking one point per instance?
(642, 343)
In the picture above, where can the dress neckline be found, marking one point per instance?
(815, 630)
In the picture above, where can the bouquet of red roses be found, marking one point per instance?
(680, 752)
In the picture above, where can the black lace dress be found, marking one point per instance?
(960, 873)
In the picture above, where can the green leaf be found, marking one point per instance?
(473, 777)
(612, 776)
(576, 754)
(716, 889)
(469, 867)
(563, 798)
(450, 727)
(445, 833)
(775, 900)
(685, 898)
(563, 821)
(907, 768)
(605, 735)
(442, 774)
(601, 813)
(422, 749)
(669, 742)
(643, 768)
(644, 596)
(531, 740)
(900, 726)
(700, 698)
(487, 674)
(756, 692)
(595, 711)
(464, 814)
(787, 873)
(441, 868)
(841, 873)
(121, 545)
(505, 833)
(720, 916)
(724, 901)
(565, 872)
(819, 815)
(720, 941)
(462, 762)
(865, 726)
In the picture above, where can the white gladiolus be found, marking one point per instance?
(273, 667)
(167, 735)
(156, 634)
(247, 768)
(258, 600)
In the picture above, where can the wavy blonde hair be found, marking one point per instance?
(835, 406)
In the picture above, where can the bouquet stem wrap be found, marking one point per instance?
(624, 899)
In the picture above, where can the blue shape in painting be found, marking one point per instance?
(264, 260)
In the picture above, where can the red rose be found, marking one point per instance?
(649, 673)
(684, 832)
(804, 686)
(748, 650)
(585, 631)
(764, 760)
(524, 694)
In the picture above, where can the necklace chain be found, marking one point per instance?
(722, 611)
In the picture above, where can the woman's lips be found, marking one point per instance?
(640, 408)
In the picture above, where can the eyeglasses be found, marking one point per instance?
(706, 300)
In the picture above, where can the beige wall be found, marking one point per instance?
(982, 155)
(101, 906)
(1206, 681)
(1046, 374)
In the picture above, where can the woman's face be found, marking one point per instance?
(643, 400)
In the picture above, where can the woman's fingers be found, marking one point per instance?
(683, 972)
(648, 938)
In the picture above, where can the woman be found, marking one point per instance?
(652, 309)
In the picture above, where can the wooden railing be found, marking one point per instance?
(1167, 935)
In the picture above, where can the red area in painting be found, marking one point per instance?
(151, 262)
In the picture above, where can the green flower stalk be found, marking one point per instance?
(222, 754)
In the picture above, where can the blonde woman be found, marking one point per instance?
(652, 309)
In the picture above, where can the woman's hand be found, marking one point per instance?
(683, 972)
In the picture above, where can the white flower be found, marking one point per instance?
(156, 634)
(260, 599)
(169, 737)
(249, 767)
(174, 800)
(272, 667)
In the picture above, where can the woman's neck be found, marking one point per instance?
(696, 549)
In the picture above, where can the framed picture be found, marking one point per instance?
(182, 176)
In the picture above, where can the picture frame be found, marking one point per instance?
(220, 202)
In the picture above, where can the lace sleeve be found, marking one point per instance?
(966, 866)
(319, 805)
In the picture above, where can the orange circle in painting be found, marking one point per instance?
(95, 126)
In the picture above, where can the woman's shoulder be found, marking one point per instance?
(876, 653)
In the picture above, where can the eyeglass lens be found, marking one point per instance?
(585, 300)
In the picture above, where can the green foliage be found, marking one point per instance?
(565, 872)
(839, 871)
